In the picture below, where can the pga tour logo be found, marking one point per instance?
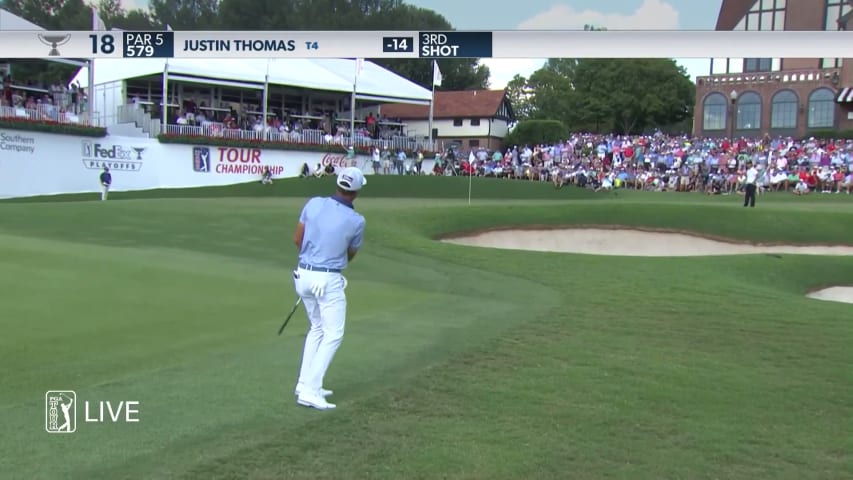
(116, 157)
(60, 411)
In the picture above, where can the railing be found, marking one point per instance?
(305, 136)
(44, 113)
(785, 76)
(152, 126)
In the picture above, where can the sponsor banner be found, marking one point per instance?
(33, 163)
(206, 165)
(12, 142)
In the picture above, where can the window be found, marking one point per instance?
(833, 13)
(767, 20)
(779, 20)
(835, 9)
(753, 21)
(475, 122)
(765, 15)
(748, 111)
(457, 122)
(714, 110)
(784, 110)
(757, 65)
(830, 63)
(473, 143)
(822, 109)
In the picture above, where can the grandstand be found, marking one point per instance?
(308, 100)
(27, 101)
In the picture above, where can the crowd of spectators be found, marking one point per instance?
(56, 102)
(284, 124)
(668, 163)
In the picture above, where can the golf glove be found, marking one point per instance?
(345, 282)
(318, 289)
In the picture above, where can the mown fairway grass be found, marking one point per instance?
(457, 363)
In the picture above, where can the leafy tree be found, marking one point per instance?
(621, 95)
(630, 95)
(458, 74)
(187, 14)
(534, 132)
(520, 95)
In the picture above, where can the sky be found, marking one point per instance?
(573, 15)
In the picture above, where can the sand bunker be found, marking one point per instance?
(834, 294)
(632, 243)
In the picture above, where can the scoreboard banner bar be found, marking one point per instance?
(672, 44)
(407, 44)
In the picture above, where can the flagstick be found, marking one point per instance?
(470, 180)
(352, 106)
(266, 95)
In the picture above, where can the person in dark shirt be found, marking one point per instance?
(306, 172)
(266, 177)
(106, 180)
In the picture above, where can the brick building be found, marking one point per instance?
(779, 96)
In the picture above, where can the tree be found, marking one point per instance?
(458, 73)
(520, 94)
(611, 95)
(187, 14)
(631, 95)
(534, 132)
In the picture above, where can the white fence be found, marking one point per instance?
(152, 127)
(44, 113)
(305, 136)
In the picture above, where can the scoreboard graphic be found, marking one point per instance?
(454, 44)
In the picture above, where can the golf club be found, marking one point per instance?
(295, 306)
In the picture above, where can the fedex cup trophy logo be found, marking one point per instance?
(60, 411)
(54, 41)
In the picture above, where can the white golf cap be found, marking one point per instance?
(351, 179)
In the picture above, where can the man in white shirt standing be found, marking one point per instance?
(751, 179)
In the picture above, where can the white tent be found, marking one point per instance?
(337, 75)
(11, 23)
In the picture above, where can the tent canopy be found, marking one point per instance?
(10, 22)
(336, 75)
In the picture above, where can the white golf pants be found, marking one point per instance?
(326, 317)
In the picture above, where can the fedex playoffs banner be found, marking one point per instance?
(44, 164)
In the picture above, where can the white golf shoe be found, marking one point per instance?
(323, 392)
(314, 401)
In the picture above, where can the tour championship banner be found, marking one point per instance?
(45, 164)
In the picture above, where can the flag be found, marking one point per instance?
(359, 66)
(97, 23)
(168, 28)
(436, 74)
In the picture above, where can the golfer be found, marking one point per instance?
(328, 236)
(751, 179)
(106, 180)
